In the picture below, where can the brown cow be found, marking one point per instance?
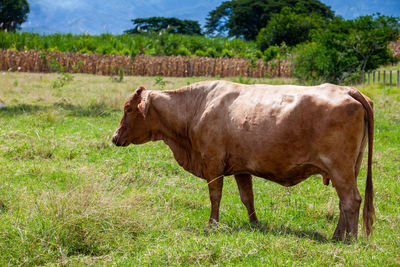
(281, 133)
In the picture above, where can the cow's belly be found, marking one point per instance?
(290, 176)
(282, 172)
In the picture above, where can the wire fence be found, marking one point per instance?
(389, 78)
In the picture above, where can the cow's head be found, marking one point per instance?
(133, 128)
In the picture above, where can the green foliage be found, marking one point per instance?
(78, 66)
(12, 14)
(258, 54)
(200, 53)
(245, 18)
(211, 52)
(56, 66)
(345, 50)
(244, 80)
(62, 80)
(156, 44)
(182, 51)
(271, 53)
(227, 53)
(117, 78)
(160, 82)
(289, 27)
(172, 25)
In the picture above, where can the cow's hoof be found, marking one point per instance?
(212, 223)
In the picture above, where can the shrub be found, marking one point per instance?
(211, 52)
(258, 54)
(227, 53)
(345, 50)
(125, 51)
(200, 53)
(271, 53)
(84, 51)
(182, 51)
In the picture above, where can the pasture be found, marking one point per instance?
(69, 197)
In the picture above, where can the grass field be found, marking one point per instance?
(69, 197)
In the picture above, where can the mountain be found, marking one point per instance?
(100, 16)
(114, 16)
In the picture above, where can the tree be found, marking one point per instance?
(345, 49)
(289, 27)
(12, 14)
(173, 25)
(245, 18)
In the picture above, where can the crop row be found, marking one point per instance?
(142, 65)
(153, 44)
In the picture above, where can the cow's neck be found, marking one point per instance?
(172, 114)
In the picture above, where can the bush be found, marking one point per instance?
(200, 53)
(182, 51)
(258, 54)
(227, 53)
(84, 51)
(345, 50)
(125, 51)
(271, 53)
(104, 49)
(211, 52)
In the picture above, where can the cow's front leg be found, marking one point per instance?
(215, 185)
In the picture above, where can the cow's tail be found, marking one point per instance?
(368, 211)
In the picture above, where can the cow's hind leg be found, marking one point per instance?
(350, 200)
(245, 185)
(340, 231)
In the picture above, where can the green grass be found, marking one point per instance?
(69, 197)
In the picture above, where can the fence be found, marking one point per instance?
(388, 78)
(175, 66)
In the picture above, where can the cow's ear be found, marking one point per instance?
(144, 103)
(139, 90)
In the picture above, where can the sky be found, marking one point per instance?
(114, 16)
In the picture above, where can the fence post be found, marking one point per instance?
(398, 74)
(390, 80)
(373, 77)
(368, 76)
(384, 78)
(379, 76)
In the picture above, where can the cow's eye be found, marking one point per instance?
(128, 110)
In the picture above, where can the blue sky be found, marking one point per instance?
(114, 16)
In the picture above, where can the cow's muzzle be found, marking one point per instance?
(116, 139)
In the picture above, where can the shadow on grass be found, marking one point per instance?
(21, 109)
(91, 110)
(265, 228)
